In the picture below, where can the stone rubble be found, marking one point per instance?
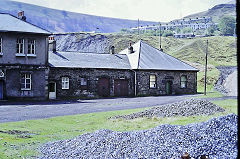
(216, 138)
(227, 82)
(188, 107)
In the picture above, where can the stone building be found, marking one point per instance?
(75, 74)
(23, 59)
(138, 70)
(28, 70)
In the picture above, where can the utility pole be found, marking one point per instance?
(138, 27)
(205, 77)
(160, 47)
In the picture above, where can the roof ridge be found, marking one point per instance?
(140, 41)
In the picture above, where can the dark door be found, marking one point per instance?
(169, 87)
(1, 90)
(103, 87)
(121, 87)
(52, 90)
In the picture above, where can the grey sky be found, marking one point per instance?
(152, 10)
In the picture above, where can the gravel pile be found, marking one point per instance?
(183, 108)
(216, 138)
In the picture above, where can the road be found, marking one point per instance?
(18, 111)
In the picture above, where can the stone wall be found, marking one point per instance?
(162, 77)
(12, 82)
(9, 43)
(92, 76)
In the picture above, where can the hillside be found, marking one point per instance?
(64, 21)
(222, 51)
(192, 50)
(217, 11)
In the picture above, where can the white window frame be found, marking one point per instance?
(31, 47)
(65, 82)
(26, 81)
(1, 45)
(183, 83)
(20, 44)
(152, 81)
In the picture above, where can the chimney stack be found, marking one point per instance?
(21, 16)
(130, 49)
(112, 51)
(52, 44)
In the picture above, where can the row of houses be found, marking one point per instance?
(32, 68)
(193, 23)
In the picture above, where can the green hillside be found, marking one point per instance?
(222, 51)
(217, 12)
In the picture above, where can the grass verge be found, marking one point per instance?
(22, 139)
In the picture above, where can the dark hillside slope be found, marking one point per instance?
(64, 21)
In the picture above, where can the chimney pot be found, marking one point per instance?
(112, 51)
(52, 44)
(130, 48)
(21, 16)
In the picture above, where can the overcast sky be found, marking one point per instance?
(151, 10)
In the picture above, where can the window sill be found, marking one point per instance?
(31, 55)
(20, 55)
(25, 89)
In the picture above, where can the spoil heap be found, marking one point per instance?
(216, 138)
(183, 108)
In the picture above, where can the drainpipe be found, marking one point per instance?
(135, 83)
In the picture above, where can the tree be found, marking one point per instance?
(227, 25)
(210, 30)
(167, 33)
(177, 30)
(187, 30)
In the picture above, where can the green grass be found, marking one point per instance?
(65, 127)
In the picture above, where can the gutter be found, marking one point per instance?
(135, 82)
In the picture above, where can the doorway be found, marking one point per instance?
(120, 88)
(1, 89)
(52, 90)
(104, 87)
(169, 87)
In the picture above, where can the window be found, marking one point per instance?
(83, 83)
(183, 81)
(0, 45)
(26, 80)
(20, 46)
(65, 83)
(31, 46)
(152, 81)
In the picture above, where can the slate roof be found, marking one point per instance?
(10, 23)
(88, 60)
(146, 57)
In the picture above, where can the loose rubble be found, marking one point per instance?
(227, 82)
(216, 138)
(183, 108)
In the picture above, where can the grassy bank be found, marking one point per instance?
(22, 139)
